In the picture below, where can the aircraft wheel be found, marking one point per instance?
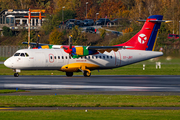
(69, 74)
(87, 74)
(16, 75)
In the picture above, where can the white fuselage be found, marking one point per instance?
(54, 59)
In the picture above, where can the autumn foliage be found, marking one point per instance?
(127, 30)
(56, 37)
(130, 10)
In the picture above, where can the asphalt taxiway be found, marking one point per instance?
(108, 83)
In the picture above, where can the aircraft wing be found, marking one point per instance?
(44, 46)
(102, 49)
(40, 44)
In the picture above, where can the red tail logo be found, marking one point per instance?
(142, 38)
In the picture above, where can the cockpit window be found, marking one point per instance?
(22, 55)
(16, 54)
(26, 55)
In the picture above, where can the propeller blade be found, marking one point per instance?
(37, 42)
(70, 42)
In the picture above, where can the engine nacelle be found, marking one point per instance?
(82, 51)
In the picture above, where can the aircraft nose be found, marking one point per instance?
(7, 63)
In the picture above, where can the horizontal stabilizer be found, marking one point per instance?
(166, 21)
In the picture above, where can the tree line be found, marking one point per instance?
(128, 9)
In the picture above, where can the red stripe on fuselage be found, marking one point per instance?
(115, 57)
(120, 57)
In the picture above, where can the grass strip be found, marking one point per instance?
(3, 58)
(10, 91)
(92, 114)
(89, 101)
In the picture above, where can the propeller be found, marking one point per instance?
(68, 49)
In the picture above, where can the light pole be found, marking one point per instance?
(86, 9)
(96, 19)
(29, 28)
(62, 14)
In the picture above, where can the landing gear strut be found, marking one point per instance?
(16, 74)
(69, 74)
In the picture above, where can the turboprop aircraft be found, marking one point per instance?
(84, 59)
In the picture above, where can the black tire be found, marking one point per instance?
(69, 74)
(87, 74)
(16, 75)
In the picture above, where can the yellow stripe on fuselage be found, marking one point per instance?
(155, 40)
(74, 67)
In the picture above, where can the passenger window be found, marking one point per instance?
(92, 57)
(96, 57)
(85, 57)
(54, 57)
(100, 57)
(89, 57)
(26, 55)
(62, 57)
(103, 57)
(16, 54)
(69, 57)
(51, 57)
(107, 57)
(111, 57)
(22, 55)
(58, 57)
(66, 57)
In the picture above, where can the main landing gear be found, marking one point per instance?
(69, 74)
(85, 73)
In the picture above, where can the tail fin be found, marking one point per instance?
(145, 39)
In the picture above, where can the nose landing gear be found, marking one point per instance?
(16, 75)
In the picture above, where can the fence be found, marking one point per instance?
(7, 51)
